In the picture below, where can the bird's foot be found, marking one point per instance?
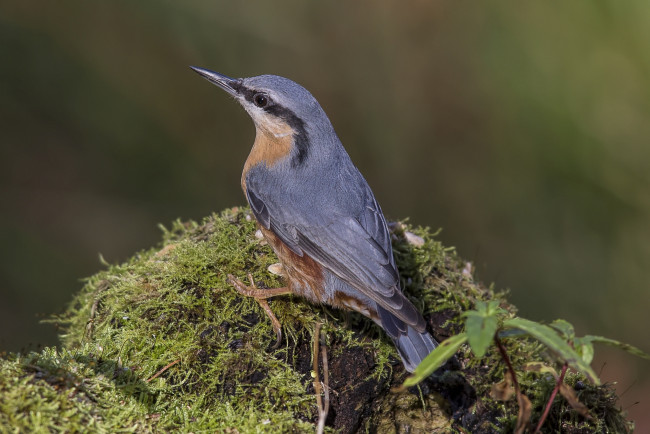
(260, 295)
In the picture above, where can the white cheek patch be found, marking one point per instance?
(269, 124)
(256, 113)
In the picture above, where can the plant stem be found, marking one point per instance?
(559, 381)
(506, 359)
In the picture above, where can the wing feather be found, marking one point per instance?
(355, 247)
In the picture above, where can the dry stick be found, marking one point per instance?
(91, 320)
(316, 382)
(323, 409)
(551, 399)
(163, 370)
(326, 387)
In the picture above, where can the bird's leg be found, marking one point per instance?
(260, 295)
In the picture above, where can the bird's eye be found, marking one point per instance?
(261, 100)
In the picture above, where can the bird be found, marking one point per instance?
(318, 213)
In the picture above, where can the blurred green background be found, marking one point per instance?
(523, 130)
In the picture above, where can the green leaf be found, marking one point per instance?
(555, 343)
(481, 325)
(489, 308)
(512, 333)
(565, 328)
(434, 360)
(585, 348)
(480, 332)
(626, 347)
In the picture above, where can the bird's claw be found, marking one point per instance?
(260, 295)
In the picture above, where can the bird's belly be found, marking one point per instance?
(305, 277)
(347, 297)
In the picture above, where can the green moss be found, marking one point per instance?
(169, 313)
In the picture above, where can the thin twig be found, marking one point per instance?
(323, 408)
(326, 387)
(559, 381)
(627, 389)
(163, 370)
(525, 407)
(316, 382)
(506, 359)
(91, 318)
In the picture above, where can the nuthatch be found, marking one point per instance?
(318, 213)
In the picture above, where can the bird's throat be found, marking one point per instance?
(273, 142)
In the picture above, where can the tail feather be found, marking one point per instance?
(413, 347)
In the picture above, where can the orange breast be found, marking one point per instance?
(273, 141)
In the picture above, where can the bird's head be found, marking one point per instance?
(278, 106)
(287, 118)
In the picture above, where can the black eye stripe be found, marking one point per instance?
(301, 137)
(249, 94)
(261, 100)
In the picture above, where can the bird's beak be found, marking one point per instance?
(228, 84)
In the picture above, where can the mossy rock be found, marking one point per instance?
(164, 343)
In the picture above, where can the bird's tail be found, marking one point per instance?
(413, 346)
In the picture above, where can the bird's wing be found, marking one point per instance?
(355, 248)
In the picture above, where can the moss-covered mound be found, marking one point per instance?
(163, 342)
